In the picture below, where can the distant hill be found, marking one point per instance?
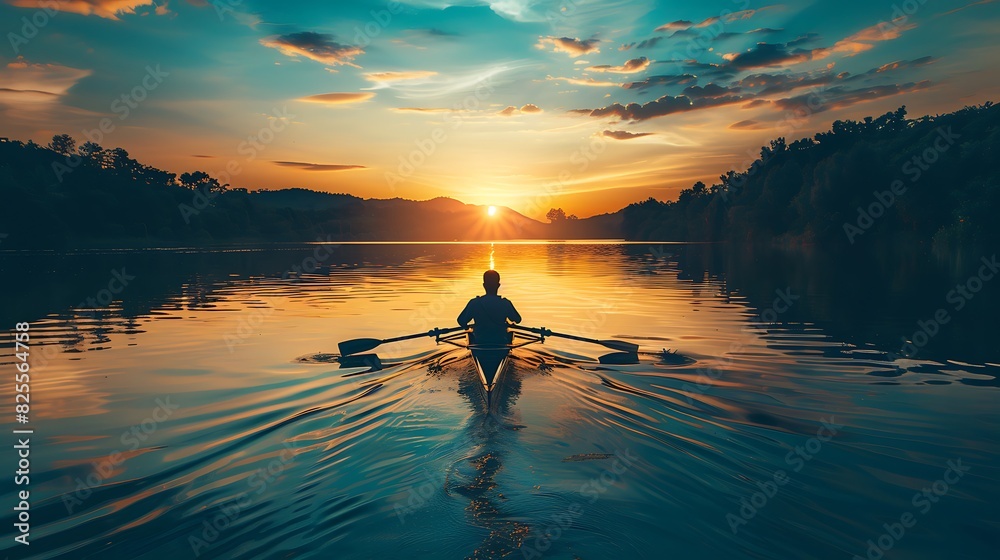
(69, 197)
(305, 199)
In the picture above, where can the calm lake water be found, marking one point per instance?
(188, 403)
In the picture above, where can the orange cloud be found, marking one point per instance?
(748, 125)
(339, 98)
(108, 9)
(569, 45)
(422, 110)
(24, 81)
(624, 134)
(527, 109)
(398, 76)
(314, 46)
(585, 82)
(864, 40)
(630, 66)
(306, 166)
(735, 16)
(675, 25)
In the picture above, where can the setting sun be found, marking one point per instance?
(492, 210)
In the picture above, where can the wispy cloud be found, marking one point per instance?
(624, 134)
(675, 25)
(388, 79)
(840, 97)
(967, 6)
(339, 98)
(314, 46)
(476, 80)
(735, 16)
(764, 55)
(398, 76)
(665, 105)
(24, 81)
(529, 108)
(644, 44)
(422, 110)
(771, 54)
(108, 9)
(748, 125)
(727, 35)
(904, 64)
(803, 39)
(569, 45)
(662, 80)
(630, 66)
(866, 38)
(305, 166)
(591, 82)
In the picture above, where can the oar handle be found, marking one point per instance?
(542, 331)
(437, 332)
(432, 333)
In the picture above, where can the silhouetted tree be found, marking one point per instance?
(193, 180)
(91, 150)
(202, 180)
(555, 215)
(63, 144)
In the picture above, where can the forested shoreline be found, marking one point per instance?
(930, 181)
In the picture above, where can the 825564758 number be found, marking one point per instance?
(22, 381)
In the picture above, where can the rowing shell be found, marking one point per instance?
(491, 362)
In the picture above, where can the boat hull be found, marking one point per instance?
(491, 364)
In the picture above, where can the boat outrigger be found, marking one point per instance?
(491, 359)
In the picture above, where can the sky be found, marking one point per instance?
(587, 105)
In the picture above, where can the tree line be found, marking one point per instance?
(931, 180)
(68, 195)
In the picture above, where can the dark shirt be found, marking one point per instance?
(489, 314)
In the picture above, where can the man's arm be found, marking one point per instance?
(466, 315)
(512, 313)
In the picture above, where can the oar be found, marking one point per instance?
(356, 345)
(613, 344)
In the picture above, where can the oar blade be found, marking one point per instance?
(620, 345)
(349, 347)
(619, 358)
(371, 361)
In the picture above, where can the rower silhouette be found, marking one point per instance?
(489, 313)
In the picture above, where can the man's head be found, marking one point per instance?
(491, 281)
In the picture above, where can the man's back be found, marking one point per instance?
(490, 314)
